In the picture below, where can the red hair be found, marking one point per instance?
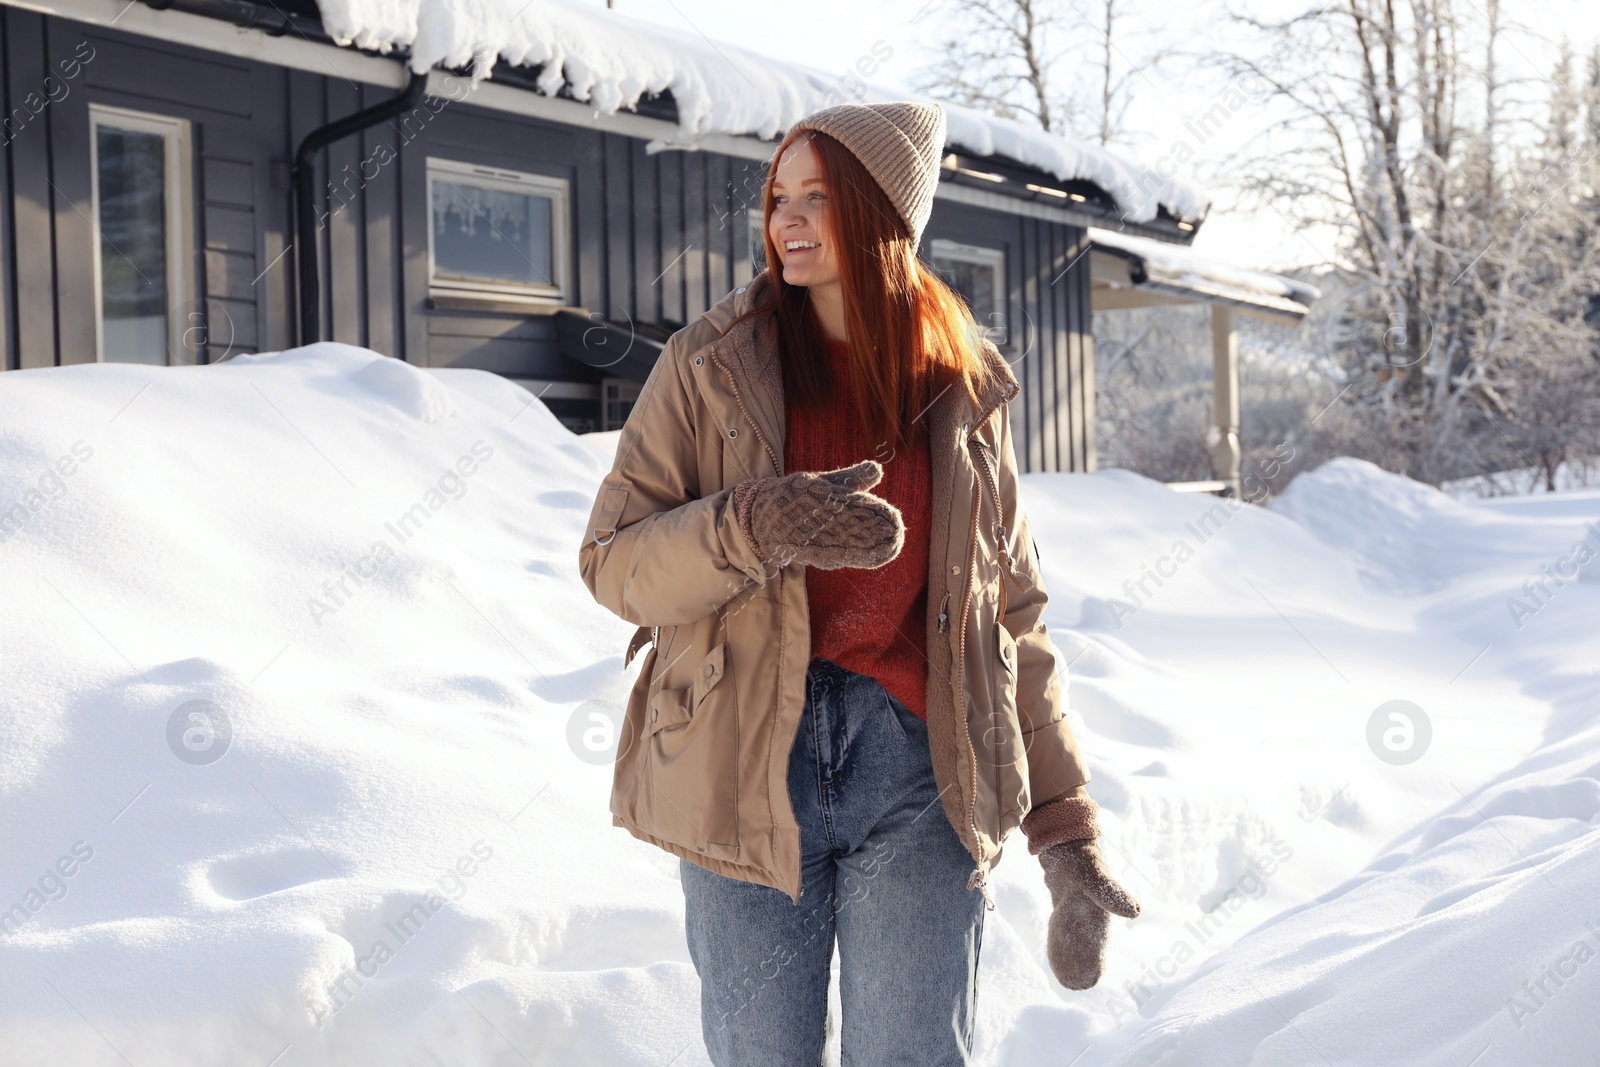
(912, 337)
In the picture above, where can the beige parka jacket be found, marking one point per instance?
(703, 755)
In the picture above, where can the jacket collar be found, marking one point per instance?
(749, 352)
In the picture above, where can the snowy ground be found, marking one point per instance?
(297, 670)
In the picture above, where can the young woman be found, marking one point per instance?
(850, 698)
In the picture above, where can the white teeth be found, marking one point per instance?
(792, 245)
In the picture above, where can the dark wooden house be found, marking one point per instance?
(148, 212)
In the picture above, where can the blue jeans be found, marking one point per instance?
(881, 869)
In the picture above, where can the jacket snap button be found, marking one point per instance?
(699, 360)
(710, 670)
(740, 289)
(956, 569)
(655, 713)
(733, 431)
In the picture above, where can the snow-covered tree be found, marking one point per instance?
(1065, 66)
(1463, 209)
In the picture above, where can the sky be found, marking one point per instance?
(832, 34)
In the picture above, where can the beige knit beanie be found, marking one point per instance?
(900, 143)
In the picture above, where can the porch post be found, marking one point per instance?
(1225, 450)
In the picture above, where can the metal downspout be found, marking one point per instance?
(305, 194)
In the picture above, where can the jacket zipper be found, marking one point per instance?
(738, 398)
(978, 879)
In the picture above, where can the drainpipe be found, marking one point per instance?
(305, 215)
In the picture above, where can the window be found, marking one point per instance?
(496, 233)
(979, 274)
(758, 243)
(139, 167)
(618, 395)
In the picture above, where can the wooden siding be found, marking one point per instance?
(655, 238)
(49, 237)
(8, 320)
(1048, 344)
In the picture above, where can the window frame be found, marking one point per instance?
(615, 390)
(756, 235)
(983, 256)
(177, 199)
(558, 190)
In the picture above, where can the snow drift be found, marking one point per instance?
(299, 687)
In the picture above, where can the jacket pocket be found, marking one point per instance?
(1006, 744)
(669, 708)
(692, 739)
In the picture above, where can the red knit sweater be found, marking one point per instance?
(869, 621)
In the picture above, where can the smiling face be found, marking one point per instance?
(799, 222)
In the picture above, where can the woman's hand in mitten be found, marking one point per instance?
(822, 519)
(1084, 896)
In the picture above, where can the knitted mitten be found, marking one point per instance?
(826, 520)
(1083, 894)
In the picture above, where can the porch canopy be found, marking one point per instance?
(1132, 272)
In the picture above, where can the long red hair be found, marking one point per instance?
(912, 337)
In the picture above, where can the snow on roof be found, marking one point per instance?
(611, 60)
(1178, 267)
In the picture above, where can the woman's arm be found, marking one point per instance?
(1056, 769)
(1061, 827)
(656, 552)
